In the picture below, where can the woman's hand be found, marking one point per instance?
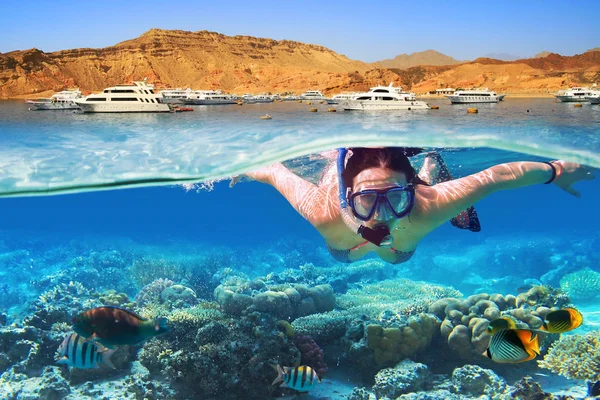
(572, 173)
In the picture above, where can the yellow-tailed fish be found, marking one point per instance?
(563, 320)
(513, 346)
(77, 352)
(500, 324)
(302, 378)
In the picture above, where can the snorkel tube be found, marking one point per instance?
(380, 236)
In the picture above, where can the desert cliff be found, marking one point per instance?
(245, 64)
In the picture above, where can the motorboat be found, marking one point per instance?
(315, 95)
(209, 97)
(342, 96)
(574, 94)
(175, 96)
(383, 98)
(136, 97)
(475, 96)
(594, 98)
(64, 100)
(261, 98)
(290, 98)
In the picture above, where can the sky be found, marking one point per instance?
(362, 30)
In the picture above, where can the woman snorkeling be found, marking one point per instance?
(372, 199)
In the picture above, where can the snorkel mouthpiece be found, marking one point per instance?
(380, 236)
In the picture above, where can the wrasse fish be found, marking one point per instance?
(563, 320)
(113, 326)
(302, 378)
(513, 346)
(501, 323)
(77, 352)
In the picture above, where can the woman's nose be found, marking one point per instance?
(382, 213)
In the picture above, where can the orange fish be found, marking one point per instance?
(113, 326)
(563, 320)
(513, 346)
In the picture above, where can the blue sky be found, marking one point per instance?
(362, 30)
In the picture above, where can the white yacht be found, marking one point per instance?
(209, 97)
(137, 97)
(383, 98)
(574, 94)
(290, 97)
(261, 98)
(175, 96)
(475, 96)
(315, 95)
(594, 98)
(64, 100)
(343, 96)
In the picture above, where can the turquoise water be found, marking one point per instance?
(56, 151)
(177, 218)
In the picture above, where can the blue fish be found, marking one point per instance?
(77, 352)
(302, 378)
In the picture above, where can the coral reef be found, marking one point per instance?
(311, 354)
(215, 359)
(60, 304)
(405, 377)
(391, 345)
(110, 297)
(575, 357)
(465, 321)
(285, 301)
(582, 286)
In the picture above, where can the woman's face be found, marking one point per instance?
(379, 178)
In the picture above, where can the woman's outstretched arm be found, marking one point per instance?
(316, 205)
(443, 201)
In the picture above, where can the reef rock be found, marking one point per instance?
(405, 377)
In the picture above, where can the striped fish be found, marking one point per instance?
(77, 352)
(513, 346)
(302, 378)
(562, 320)
(500, 324)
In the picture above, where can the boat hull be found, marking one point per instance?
(40, 105)
(198, 102)
(107, 107)
(593, 100)
(571, 99)
(474, 99)
(375, 105)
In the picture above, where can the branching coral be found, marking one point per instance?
(575, 357)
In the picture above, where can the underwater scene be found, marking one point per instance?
(428, 254)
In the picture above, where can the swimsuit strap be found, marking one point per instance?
(343, 255)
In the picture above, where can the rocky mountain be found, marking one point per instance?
(542, 54)
(245, 64)
(594, 49)
(428, 57)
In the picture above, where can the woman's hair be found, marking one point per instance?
(394, 158)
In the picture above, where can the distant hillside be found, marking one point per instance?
(594, 49)
(542, 54)
(172, 58)
(428, 57)
(245, 64)
(502, 56)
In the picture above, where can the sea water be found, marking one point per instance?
(156, 186)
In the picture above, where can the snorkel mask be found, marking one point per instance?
(395, 202)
